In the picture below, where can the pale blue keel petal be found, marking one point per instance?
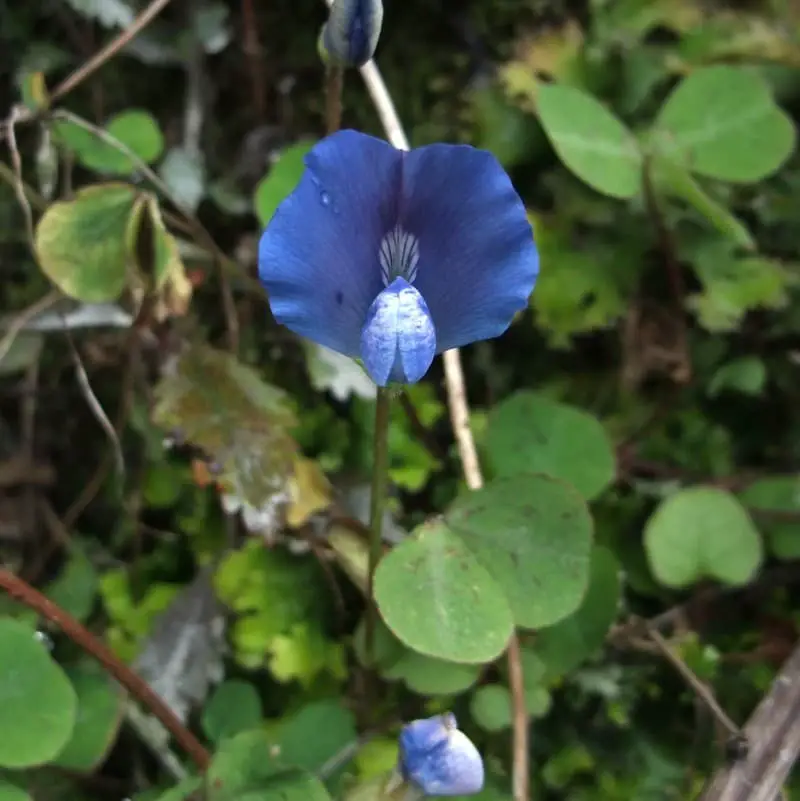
(319, 255)
(439, 759)
(398, 341)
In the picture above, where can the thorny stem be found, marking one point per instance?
(138, 688)
(380, 481)
(334, 84)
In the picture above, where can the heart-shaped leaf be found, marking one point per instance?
(702, 532)
(439, 600)
(529, 433)
(534, 535)
(726, 125)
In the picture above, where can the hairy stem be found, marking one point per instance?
(380, 481)
(139, 689)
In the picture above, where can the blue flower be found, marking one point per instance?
(351, 33)
(393, 256)
(438, 759)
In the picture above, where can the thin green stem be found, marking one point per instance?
(334, 84)
(380, 482)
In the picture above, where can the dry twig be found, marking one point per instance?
(773, 744)
(33, 599)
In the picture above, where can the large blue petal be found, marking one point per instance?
(318, 257)
(477, 259)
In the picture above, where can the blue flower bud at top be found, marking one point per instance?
(438, 759)
(351, 34)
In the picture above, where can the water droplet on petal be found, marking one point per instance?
(325, 198)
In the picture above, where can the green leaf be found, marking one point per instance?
(529, 433)
(734, 286)
(281, 180)
(565, 645)
(135, 129)
(501, 127)
(747, 375)
(234, 707)
(590, 140)
(303, 653)
(777, 494)
(534, 535)
(702, 532)
(588, 280)
(186, 789)
(83, 245)
(724, 122)
(101, 704)
(38, 702)
(490, 705)
(75, 588)
(440, 601)
(241, 764)
(425, 675)
(315, 734)
(244, 769)
(10, 792)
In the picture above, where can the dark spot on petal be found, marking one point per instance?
(339, 297)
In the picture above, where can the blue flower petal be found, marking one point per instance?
(477, 259)
(318, 257)
(398, 341)
(439, 759)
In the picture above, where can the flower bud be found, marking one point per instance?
(438, 759)
(351, 34)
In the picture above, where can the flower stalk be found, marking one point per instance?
(380, 482)
(334, 85)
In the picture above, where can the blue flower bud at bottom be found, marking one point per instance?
(398, 340)
(439, 759)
